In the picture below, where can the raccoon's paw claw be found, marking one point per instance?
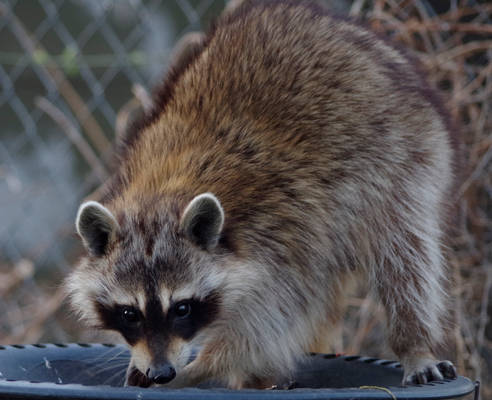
(447, 369)
(434, 371)
(290, 385)
(284, 386)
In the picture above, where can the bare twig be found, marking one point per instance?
(8, 281)
(142, 96)
(33, 331)
(414, 25)
(55, 76)
(356, 7)
(75, 137)
(484, 318)
(464, 50)
(367, 320)
(141, 102)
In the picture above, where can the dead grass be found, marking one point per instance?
(455, 47)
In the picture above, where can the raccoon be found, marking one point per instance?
(287, 151)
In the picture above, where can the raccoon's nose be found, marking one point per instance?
(161, 374)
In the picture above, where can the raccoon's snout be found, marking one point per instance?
(161, 374)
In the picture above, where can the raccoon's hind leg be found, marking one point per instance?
(410, 282)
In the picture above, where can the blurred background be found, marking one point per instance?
(74, 72)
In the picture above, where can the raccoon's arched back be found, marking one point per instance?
(282, 72)
(164, 91)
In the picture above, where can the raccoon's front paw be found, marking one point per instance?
(429, 370)
(135, 378)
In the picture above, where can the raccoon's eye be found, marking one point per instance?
(182, 309)
(130, 316)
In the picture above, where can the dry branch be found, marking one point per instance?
(75, 137)
(55, 76)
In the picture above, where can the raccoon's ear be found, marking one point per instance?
(202, 220)
(96, 226)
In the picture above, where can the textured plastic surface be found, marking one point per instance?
(96, 371)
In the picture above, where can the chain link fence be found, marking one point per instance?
(67, 71)
(72, 72)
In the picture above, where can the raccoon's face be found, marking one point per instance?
(155, 279)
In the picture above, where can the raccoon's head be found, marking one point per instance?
(154, 274)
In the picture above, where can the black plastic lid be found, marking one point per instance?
(96, 371)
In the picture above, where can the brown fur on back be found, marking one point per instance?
(264, 113)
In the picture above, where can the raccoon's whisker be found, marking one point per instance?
(120, 354)
(95, 370)
(193, 355)
(103, 360)
(106, 367)
(115, 359)
(114, 376)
